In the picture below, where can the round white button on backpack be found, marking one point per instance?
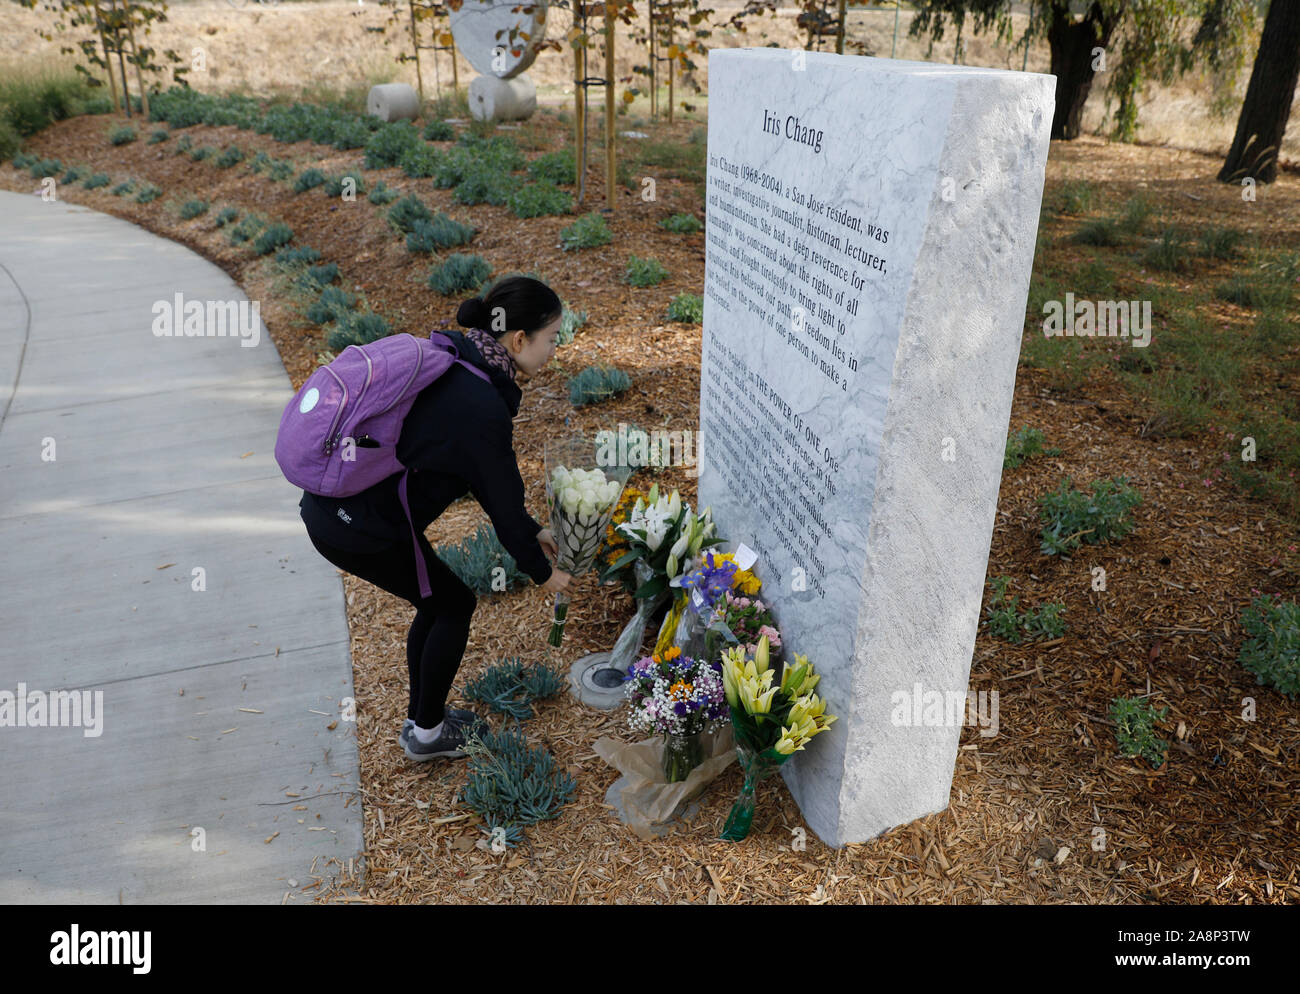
(309, 400)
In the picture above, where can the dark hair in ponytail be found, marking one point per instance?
(525, 304)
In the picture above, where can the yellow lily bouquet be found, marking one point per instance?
(771, 723)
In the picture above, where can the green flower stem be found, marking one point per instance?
(558, 618)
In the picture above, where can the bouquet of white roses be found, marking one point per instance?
(582, 499)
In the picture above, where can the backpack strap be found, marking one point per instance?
(438, 338)
(421, 568)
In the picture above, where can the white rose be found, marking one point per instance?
(570, 501)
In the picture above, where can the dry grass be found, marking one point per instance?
(272, 49)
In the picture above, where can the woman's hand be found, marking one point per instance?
(557, 582)
(547, 542)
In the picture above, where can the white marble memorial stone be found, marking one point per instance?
(483, 33)
(870, 233)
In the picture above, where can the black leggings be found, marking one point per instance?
(437, 638)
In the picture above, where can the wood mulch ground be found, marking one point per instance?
(1045, 811)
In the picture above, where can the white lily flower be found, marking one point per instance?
(678, 548)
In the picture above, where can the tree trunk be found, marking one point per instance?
(1072, 43)
(1267, 105)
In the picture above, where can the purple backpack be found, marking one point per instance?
(338, 436)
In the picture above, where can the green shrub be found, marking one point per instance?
(460, 272)
(1044, 622)
(687, 308)
(381, 195)
(644, 272)
(1245, 291)
(1099, 231)
(74, 173)
(315, 278)
(300, 255)
(597, 383)
(440, 233)
(247, 227)
(419, 161)
(1272, 652)
(484, 185)
(159, 135)
(10, 140)
(1077, 197)
(183, 144)
(100, 105)
(509, 687)
(1005, 620)
(231, 156)
(123, 135)
(681, 224)
(334, 184)
(332, 304)
(351, 133)
(476, 558)
(511, 784)
(1135, 722)
(358, 328)
(539, 199)
(201, 153)
(280, 171)
(570, 322)
(308, 179)
(148, 192)
(1023, 445)
(272, 238)
(193, 208)
(46, 167)
(555, 168)
(389, 143)
(126, 186)
(451, 167)
(403, 214)
(1136, 213)
(1169, 254)
(23, 160)
(1071, 517)
(496, 152)
(439, 131)
(98, 179)
(1220, 243)
(1272, 330)
(31, 101)
(259, 162)
(588, 231)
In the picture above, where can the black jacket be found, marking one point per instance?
(457, 438)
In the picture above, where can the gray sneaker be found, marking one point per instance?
(459, 716)
(448, 744)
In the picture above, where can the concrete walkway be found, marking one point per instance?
(163, 453)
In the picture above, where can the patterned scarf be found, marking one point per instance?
(493, 351)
